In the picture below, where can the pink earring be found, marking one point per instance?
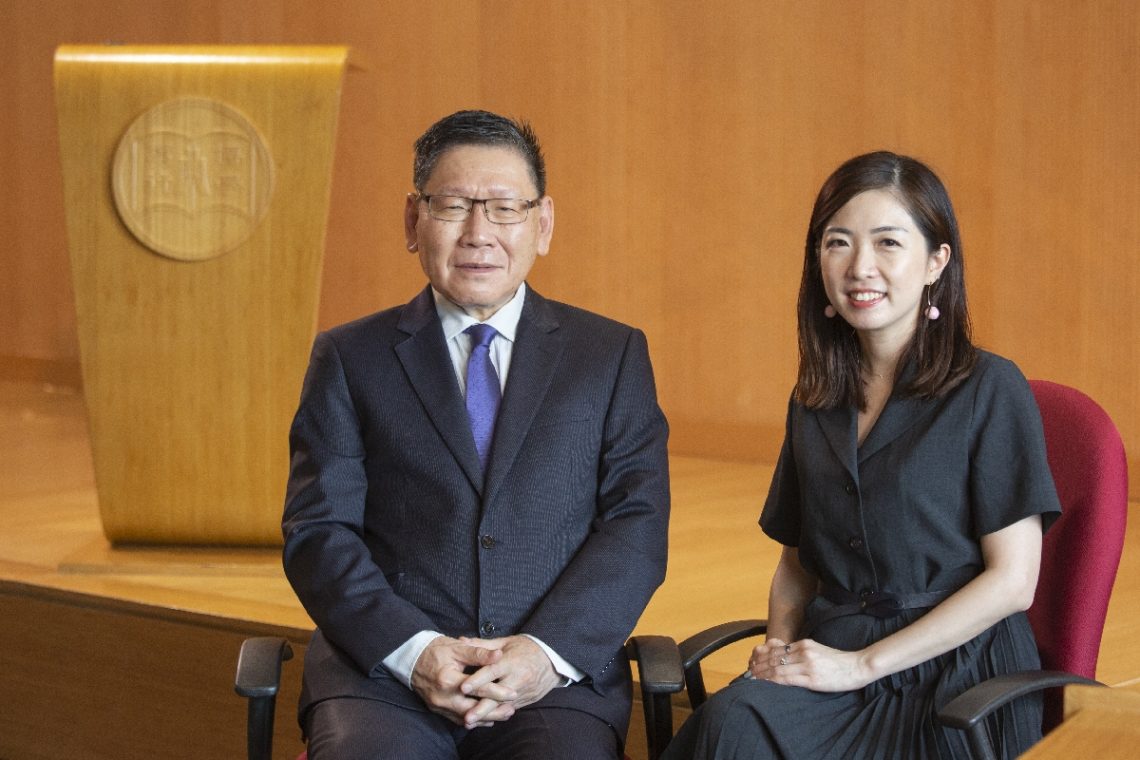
(829, 311)
(932, 311)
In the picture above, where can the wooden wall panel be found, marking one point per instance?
(685, 144)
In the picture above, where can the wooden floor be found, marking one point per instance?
(54, 562)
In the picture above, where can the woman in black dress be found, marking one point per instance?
(910, 497)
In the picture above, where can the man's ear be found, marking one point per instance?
(411, 219)
(545, 224)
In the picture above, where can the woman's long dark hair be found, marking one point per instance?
(830, 356)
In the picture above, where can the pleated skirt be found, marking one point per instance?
(893, 718)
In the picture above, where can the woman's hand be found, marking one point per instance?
(1012, 558)
(809, 664)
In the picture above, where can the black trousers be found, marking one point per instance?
(365, 729)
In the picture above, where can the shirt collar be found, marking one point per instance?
(455, 320)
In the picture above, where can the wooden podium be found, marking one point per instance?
(196, 185)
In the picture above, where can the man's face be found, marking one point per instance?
(475, 263)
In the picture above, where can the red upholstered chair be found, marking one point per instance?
(1082, 551)
(1080, 556)
(1079, 559)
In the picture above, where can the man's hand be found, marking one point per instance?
(520, 676)
(443, 667)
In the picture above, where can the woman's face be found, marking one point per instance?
(875, 263)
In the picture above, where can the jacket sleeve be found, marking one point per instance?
(598, 598)
(325, 558)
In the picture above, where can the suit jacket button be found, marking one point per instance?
(486, 541)
(487, 629)
(849, 488)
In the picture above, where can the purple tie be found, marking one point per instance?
(483, 392)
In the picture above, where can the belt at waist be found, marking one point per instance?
(880, 604)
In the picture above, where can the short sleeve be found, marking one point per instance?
(781, 518)
(1009, 471)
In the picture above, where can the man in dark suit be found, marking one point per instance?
(478, 498)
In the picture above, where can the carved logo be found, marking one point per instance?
(192, 179)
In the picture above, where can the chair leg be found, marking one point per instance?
(658, 723)
(980, 746)
(259, 728)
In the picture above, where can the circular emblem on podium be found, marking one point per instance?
(192, 179)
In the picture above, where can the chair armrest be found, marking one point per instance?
(968, 710)
(259, 666)
(658, 664)
(258, 678)
(700, 645)
(659, 673)
(665, 668)
(977, 702)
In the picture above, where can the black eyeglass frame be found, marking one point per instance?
(478, 201)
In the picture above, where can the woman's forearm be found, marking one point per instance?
(792, 589)
(1006, 586)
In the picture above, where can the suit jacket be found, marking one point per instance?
(391, 527)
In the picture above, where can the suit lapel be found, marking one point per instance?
(427, 363)
(534, 359)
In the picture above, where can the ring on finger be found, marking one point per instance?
(783, 660)
(787, 648)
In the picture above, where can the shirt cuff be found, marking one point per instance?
(561, 667)
(402, 661)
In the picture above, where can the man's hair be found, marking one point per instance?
(478, 128)
(941, 350)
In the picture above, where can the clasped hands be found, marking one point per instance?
(809, 664)
(478, 682)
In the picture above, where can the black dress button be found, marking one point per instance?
(486, 541)
(487, 629)
(856, 543)
(850, 489)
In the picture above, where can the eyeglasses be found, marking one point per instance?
(456, 208)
